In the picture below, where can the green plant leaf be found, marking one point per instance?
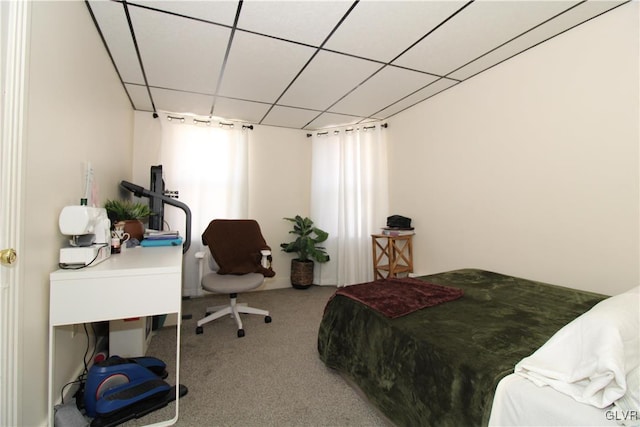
(305, 245)
(122, 210)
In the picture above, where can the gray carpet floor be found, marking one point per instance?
(271, 377)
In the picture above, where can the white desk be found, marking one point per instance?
(134, 283)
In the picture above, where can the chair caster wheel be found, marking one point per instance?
(240, 333)
(267, 319)
(199, 330)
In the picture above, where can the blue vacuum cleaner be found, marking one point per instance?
(120, 389)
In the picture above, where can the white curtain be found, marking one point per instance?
(208, 166)
(349, 200)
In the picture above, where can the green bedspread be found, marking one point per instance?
(439, 366)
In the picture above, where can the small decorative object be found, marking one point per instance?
(399, 221)
(131, 213)
(305, 245)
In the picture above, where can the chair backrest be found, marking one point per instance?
(235, 245)
(213, 265)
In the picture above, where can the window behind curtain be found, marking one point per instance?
(349, 200)
(208, 166)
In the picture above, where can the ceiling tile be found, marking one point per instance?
(115, 30)
(221, 12)
(179, 53)
(382, 30)
(307, 22)
(476, 30)
(383, 89)
(419, 96)
(328, 120)
(234, 109)
(289, 117)
(570, 18)
(140, 97)
(327, 78)
(182, 102)
(276, 56)
(260, 68)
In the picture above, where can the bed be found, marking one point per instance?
(440, 365)
(519, 402)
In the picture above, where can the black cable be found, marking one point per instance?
(84, 358)
(82, 376)
(65, 386)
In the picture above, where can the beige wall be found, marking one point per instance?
(279, 182)
(531, 168)
(77, 111)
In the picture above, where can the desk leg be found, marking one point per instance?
(177, 385)
(51, 365)
(178, 326)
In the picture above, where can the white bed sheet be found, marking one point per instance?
(519, 402)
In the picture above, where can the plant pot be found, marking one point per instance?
(301, 273)
(135, 228)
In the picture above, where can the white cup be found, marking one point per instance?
(121, 236)
(265, 258)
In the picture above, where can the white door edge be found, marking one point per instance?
(14, 42)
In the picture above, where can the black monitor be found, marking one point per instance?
(156, 221)
(158, 196)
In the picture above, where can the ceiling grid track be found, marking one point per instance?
(514, 38)
(319, 48)
(106, 46)
(541, 41)
(386, 65)
(226, 56)
(313, 64)
(135, 44)
(471, 61)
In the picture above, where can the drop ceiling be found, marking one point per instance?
(316, 64)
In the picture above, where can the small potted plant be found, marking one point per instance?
(131, 213)
(305, 245)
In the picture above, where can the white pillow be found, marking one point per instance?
(590, 358)
(627, 408)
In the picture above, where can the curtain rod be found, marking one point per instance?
(203, 122)
(335, 132)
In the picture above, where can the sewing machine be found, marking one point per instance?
(90, 231)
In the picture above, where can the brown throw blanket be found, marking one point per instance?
(396, 297)
(235, 245)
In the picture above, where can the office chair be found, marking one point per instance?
(238, 259)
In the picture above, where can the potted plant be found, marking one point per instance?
(305, 245)
(131, 213)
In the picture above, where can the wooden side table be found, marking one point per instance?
(392, 255)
